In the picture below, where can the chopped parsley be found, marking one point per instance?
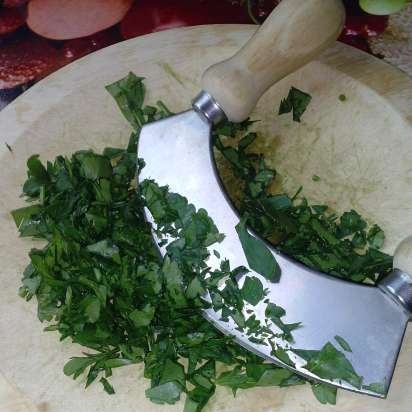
(296, 102)
(101, 282)
(344, 246)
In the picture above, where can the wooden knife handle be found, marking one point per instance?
(295, 33)
(398, 284)
(402, 258)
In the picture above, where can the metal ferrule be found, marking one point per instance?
(208, 108)
(398, 285)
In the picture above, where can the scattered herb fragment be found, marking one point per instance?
(343, 344)
(129, 94)
(330, 363)
(325, 394)
(377, 387)
(252, 290)
(108, 388)
(296, 102)
(258, 255)
(375, 237)
(341, 246)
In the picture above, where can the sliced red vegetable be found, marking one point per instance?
(366, 26)
(76, 48)
(148, 16)
(25, 59)
(11, 20)
(70, 19)
(14, 3)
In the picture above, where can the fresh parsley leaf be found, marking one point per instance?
(258, 255)
(174, 282)
(168, 392)
(282, 355)
(292, 381)
(129, 94)
(108, 388)
(325, 394)
(37, 177)
(173, 372)
(197, 398)
(359, 239)
(329, 363)
(275, 313)
(91, 306)
(36, 170)
(94, 166)
(274, 377)
(376, 237)
(235, 379)
(252, 290)
(343, 344)
(26, 219)
(195, 288)
(377, 387)
(297, 102)
(119, 362)
(76, 366)
(276, 203)
(142, 317)
(105, 248)
(254, 375)
(351, 222)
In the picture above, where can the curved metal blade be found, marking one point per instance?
(177, 153)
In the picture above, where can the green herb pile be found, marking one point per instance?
(344, 246)
(100, 280)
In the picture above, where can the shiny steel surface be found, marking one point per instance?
(177, 153)
(398, 285)
(205, 105)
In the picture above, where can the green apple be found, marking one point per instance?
(382, 7)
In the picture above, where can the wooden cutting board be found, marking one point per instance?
(360, 148)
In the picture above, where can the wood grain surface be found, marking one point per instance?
(360, 149)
